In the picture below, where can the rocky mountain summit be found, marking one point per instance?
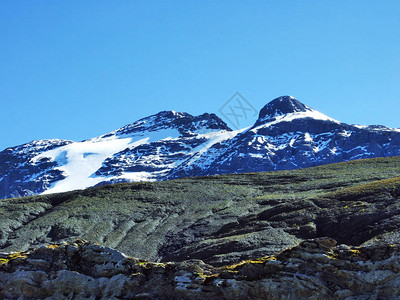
(287, 135)
(282, 106)
(315, 269)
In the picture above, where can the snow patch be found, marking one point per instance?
(307, 137)
(137, 176)
(345, 133)
(78, 161)
(214, 138)
(313, 114)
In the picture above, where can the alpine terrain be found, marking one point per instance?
(287, 135)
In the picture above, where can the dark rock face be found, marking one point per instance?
(138, 159)
(282, 106)
(317, 269)
(183, 122)
(287, 135)
(20, 176)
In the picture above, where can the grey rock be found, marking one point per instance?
(315, 269)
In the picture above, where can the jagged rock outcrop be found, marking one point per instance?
(315, 269)
(287, 135)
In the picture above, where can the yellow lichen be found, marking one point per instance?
(12, 256)
(355, 251)
(261, 260)
(17, 255)
(53, 246)
(156, 264)
(207, 278)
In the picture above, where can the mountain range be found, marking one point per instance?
(287, 135)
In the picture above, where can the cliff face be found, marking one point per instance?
(317, 269)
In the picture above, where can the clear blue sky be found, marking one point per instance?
(78, 69)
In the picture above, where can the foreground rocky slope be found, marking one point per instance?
(315, 269)
(218, 219)
(328, 232)
(287, 135)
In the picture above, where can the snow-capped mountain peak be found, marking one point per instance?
(181, 122)
(288, 134)
(287, 109)
(281, 106)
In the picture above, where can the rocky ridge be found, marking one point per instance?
(315, 269)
